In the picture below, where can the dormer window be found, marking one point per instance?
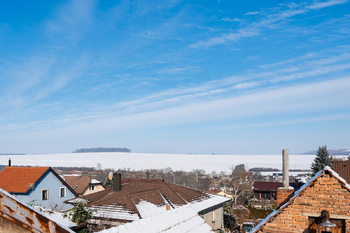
(92, 187)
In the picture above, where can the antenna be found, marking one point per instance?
(110, 175)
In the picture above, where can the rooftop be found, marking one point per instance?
(20, 179)
(141, 198)
(82, 182)
(266, 186)
(182, 219)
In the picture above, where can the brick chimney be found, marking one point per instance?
(117, 182)
(285, 192)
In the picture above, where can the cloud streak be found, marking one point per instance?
(255, 29)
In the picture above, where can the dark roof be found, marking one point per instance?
(136, 192)
(20, 179)
(266, 186)
(82, 183)
(343, 169)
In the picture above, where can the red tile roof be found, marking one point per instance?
(19, 179)
(214, 191)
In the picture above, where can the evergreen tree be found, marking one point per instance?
(322, 159)
(79, 214)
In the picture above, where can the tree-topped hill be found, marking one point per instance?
(102, 149)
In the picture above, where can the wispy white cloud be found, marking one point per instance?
(313, 97)
(319, 5)
(214, 89)
(179, 70)
(269, 21)
(227, 19)
(243, 33)
(70, 18)
(322, 118)
(252, 13)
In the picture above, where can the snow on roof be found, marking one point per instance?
(114, 212)
(94, 181)
(212, 200)
(61, 223)
(182, 219)
(59, 218)
(307, 184)
(76, 200)
(147, 209)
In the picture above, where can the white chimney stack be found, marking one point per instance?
(285, 154)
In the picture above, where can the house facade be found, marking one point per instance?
(83, 185)
(37, 185)
(300, 211)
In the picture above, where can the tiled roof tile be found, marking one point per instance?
(20, 179)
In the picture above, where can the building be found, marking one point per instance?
(37, 185)
(222, 192)
(342, 167)
(83, 185)
(266, 190)
(182, 219)
(133, 199)
(300, 211)
(17, 217)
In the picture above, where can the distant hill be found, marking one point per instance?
(332, 152)
(13, 154)
(102, 149)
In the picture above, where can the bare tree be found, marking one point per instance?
(240, 183)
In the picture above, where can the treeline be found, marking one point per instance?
(102, 149)
(263, 169)
(13, 154)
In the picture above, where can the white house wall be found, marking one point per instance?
(214, 218)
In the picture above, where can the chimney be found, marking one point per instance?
(117, 182)
(285, 154)
(285, 192)
(9, 162)
(167, 207)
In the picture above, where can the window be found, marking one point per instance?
(45, 194)
(62, 192)
(91, 187)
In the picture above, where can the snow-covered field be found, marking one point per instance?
(138, 161)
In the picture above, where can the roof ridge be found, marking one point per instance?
(134, 205)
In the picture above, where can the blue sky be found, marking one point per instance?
(224, 77)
